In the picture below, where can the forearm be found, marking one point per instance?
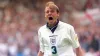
(40, 53)
(79, 52)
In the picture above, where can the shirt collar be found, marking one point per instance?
(54, 27)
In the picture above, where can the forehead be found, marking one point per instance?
(50, 8)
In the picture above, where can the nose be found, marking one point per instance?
(49, 13)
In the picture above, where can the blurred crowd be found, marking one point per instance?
(21, 19)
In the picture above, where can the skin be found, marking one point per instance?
(49, 12)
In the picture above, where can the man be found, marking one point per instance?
(57, 38)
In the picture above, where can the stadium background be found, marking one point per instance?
(20, 20)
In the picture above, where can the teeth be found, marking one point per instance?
(50, 18)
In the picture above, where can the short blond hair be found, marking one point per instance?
(52, 5)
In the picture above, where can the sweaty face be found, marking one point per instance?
(51, 15)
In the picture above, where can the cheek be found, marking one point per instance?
(46, 18)
(55, 14)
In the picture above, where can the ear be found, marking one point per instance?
(45, 16)
(58, 15)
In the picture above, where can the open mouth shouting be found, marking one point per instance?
(50, 18)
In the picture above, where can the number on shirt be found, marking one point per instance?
(54, 50)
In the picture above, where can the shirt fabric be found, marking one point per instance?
(62, 41)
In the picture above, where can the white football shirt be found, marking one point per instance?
(61, 42)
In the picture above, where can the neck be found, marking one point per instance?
(52, 25)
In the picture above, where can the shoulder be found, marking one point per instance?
(42, 28)
(65, 25)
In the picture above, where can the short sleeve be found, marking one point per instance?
(74, 38)
(40, 42)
